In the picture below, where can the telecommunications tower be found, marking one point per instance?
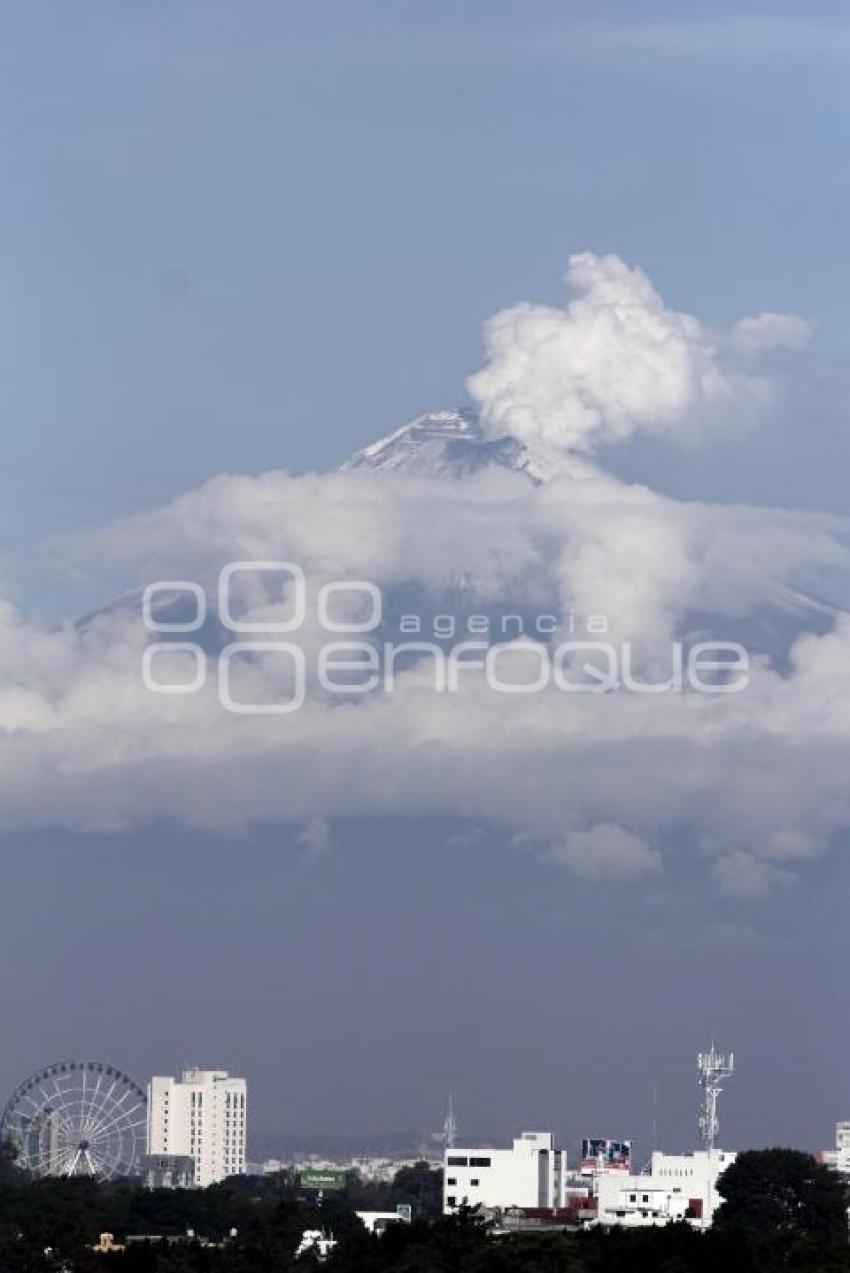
(714, 1069)
(449, 1135)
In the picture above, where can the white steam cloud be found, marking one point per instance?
(617, 361)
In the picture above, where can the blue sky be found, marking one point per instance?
(249, 237)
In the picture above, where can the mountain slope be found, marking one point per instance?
(451, 444)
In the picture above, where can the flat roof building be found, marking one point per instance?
(532, 1173)
(678, 1187)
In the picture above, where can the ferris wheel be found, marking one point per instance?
(77, 1118)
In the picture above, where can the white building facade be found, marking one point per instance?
(203, 1114)
(678, 1187)
(532, 1173)
(839, 1158)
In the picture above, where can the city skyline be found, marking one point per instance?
(539, 315)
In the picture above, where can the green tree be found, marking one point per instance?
(10, 1172)
(421, 1187)
(782, 1191)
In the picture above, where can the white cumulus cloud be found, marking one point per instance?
(606, 851)
(617, 361)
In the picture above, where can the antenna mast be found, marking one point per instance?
(714, 1068)
(449, 1127)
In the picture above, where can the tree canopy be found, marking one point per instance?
(782, 1191)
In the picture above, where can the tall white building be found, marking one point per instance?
(202, 1114)
(532, 1173)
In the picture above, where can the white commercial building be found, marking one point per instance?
(201, 1114)
(532, 1173)
(839, 1158)
(679, 1187)
(636, 1201)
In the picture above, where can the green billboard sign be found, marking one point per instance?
(319, 1178)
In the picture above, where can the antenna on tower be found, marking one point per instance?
(449, 1127)
(714, 1068)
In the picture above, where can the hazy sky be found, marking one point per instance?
(239, 238)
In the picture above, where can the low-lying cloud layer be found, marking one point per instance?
(607, 785)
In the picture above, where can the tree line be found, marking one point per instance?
(781, 1211)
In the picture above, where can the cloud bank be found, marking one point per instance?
(752, 785)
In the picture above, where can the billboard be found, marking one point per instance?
(322, 1178)
(606, 1155)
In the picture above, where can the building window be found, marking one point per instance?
(456, 1162)
(474, 1183)
(451, 1201)
(452, 1180)
(479, 1162)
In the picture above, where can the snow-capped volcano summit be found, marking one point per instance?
(452, 444)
